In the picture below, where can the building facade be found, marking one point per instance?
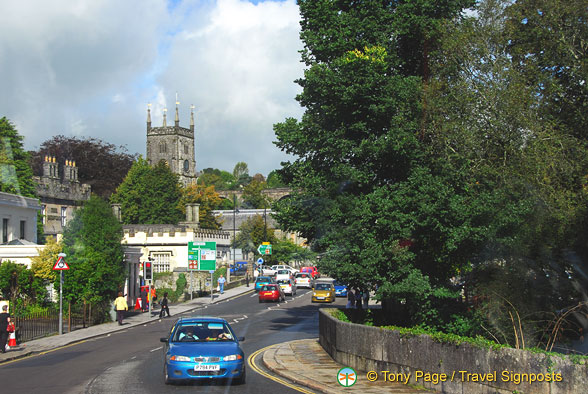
(174, 145)
(60, 194)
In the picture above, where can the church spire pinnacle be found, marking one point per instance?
(164, 117)
(148, 116)
(192, 117)
(177, 114)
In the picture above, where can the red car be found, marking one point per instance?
(271, 292)
(313, 271)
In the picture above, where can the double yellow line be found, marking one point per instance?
(253, 366)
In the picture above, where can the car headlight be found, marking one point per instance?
(314, 294)
(179, 358)
(232, 357)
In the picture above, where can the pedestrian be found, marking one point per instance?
(221, 284)
(247, 279)
(144, 306)
(255, 273)
(164, 307)
(153, 295)
(11, 335)
(4, 320)
(120, 305)
(350, 299)
(366, 299)
(357, 298)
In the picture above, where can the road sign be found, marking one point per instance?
(260, 261)
(265, 249)
(202, 256)
(60, 264)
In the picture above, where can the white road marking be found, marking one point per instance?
(156, 349)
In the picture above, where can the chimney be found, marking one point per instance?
(193, 213)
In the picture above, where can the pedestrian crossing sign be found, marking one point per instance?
(60, 264)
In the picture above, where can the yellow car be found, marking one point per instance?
(323, 292)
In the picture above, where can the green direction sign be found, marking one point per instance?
(265, 249)
(202, 256)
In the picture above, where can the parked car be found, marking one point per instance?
(262, 280)
(284, 267)
(284, 274)
(303, 280)
(271, 292)
(239, 268)
(288, 286)
(203, 348)
(340, 289)
(323, 292)
(267, 270)
(312, 271)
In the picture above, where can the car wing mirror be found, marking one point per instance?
(241, 339)
(164, 340)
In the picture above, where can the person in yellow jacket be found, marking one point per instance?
(120, 305)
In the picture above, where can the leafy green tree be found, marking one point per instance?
(274, 180)
(253, 232)
(101, 165)
(253, 196)
(221, 180)
(284, 250)
(19, 285)
(92, 243)
(149, 195)
(42, 265)
(240, 169)
(16, 176)
(208, 199)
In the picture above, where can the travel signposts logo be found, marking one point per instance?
(346, 377)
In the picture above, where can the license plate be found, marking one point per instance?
(284, 287)
(206, 367)
(268, 293)
(320, 298)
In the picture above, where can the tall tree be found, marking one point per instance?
(100, 164)
(363, 186)
(149, 195)
(253, 196)
(16, 176)
(208, 199)
(92, 243)
(221, 180)
(253, 232)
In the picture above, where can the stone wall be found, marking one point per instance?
(467, 368)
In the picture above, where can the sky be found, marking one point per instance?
(89, 68)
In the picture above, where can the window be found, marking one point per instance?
(63, 216)
(186, 148)
(161, 263)
(4, 230)
(186, 165)
(162, 147)
(22, 229)
(44, 213)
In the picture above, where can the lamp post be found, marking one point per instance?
(234, 225)
(62, 255)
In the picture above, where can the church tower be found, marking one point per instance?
(174, 145)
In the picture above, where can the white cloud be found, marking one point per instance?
(89, 68)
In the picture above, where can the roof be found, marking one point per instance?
(201, 319)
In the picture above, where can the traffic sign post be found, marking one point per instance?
(265, 249)
(260, 261)
(61, 265)
(202, 256)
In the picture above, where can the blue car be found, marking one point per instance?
(340, 289)
(262, 280)
(203, 348)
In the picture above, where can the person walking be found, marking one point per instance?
(11, 335)
(350, 299)
(247, 279)
(357, 298)
(164, 306)
(4, 320)
(366, 298)
(144, 306)
(221, 284)
(153, 295)
(120, 305)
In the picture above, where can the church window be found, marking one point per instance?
(186, 165)
(162, 148)
(186, 148)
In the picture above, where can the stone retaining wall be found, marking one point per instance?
(375, 349)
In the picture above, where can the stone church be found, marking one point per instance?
(174, 145)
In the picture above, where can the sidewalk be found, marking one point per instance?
(55, 341)
(306, 363)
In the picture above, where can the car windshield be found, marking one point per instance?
(202, 332)
(284, 282)
(301, 275)
(268, 288)
(322, 286)
(283, 272)
(263, 279)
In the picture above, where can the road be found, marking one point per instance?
(130, 361)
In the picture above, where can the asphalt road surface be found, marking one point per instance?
(131, 360)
